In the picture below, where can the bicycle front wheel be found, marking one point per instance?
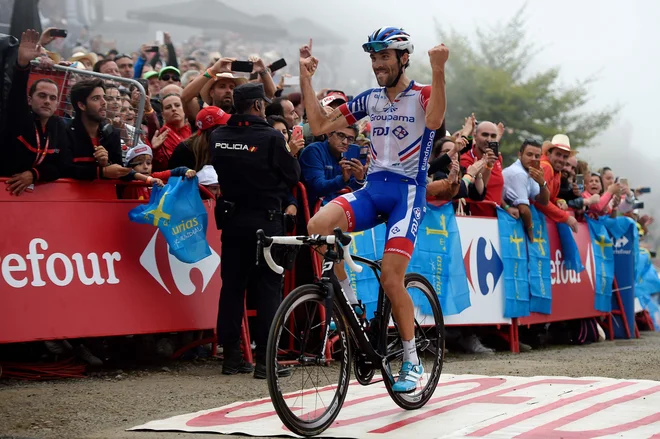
(429, 338)
(308, 400)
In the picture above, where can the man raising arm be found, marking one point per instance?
(404, 116)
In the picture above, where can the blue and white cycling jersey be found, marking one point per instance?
(401, 143)
(396, 184)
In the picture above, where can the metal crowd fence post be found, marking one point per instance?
(65, 77)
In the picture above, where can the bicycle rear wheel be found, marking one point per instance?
(429, 338)
(309, 400)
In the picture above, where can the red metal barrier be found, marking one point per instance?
(72, 265)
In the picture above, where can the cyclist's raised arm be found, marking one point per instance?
(319, 121)
(436, 105)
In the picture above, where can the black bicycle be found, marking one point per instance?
(317, 334)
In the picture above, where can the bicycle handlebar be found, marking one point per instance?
(338, 238)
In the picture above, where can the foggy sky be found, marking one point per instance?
(616, 41)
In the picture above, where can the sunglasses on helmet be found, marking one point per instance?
(375, 46)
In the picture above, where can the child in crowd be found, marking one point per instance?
(209, 179)
(140, 160)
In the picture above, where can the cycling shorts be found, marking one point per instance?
(389, 195)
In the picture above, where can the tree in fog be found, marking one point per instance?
(490, 75)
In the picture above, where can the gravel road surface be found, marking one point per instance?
(104, 406)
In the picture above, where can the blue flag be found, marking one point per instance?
(438, 257)
(178, 211)
(648, 282)
(569, 248)
(603, 264)
(513, 248)
(540, 282)
(367, 244)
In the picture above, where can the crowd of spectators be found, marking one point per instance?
(189, 93)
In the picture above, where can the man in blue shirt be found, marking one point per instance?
(524, 181)
(328, 167)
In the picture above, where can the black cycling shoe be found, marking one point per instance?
(260, 371)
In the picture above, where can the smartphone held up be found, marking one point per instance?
(242, 66)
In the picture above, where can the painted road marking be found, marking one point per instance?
(464, 406)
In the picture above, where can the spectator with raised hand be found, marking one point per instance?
(524, 182)
(332, 165)
(486, 133)
(607, 202)
(175, 130)
(153, 58)
(35, 138)
(95, 144)
(216, 87)
(553, 161)
(471, 185)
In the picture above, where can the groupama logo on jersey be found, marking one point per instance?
(481, 263)
(179, 272)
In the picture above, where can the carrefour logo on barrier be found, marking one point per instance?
(57, 268)
(180, 270)
(481, 261)
(621, 246)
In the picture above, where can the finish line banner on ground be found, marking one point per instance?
(463, 406)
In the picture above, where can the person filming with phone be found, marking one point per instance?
(216, 85)
(333, 165)
(486, 146)
(524, 181)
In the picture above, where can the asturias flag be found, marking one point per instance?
(514, 258)
(438, 257)
(604, 264)
(540, 282)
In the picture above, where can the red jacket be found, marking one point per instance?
(494, 188)
(553, 179)
(177, 135)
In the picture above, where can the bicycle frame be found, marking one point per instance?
(330, 285)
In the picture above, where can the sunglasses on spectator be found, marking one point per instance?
(168, 76)
(342, 137)
(532, 142)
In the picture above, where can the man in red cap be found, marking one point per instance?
(194, 152)
(555, 154)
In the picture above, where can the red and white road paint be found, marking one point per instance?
(464, 406)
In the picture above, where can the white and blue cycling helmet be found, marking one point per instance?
(389, 38)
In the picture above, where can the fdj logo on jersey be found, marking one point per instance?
(398, 132)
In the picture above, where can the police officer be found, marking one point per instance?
(256, 173)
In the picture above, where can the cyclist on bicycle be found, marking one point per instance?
(404, 116)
